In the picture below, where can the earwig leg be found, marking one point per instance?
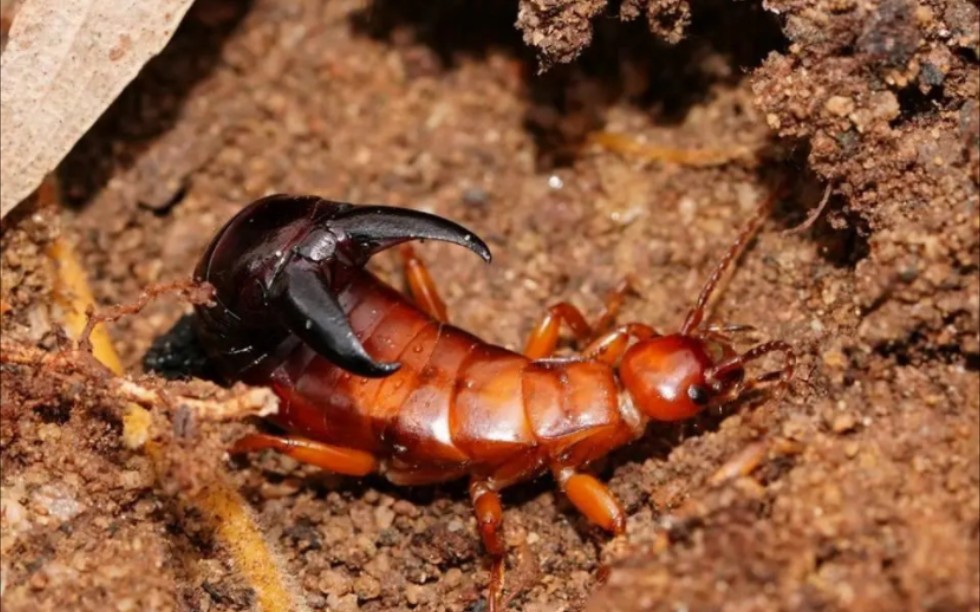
(611, 305)
(544, 339)
(489, 517)
(609, 348)
(592, 499)
(348, 461)
(421, 285)
(496, 584)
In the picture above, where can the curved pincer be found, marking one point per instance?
(279, 265)
(311, 313)
(375, 228)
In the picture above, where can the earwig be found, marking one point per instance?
(370, 381)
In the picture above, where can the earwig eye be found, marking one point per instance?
(698, 394)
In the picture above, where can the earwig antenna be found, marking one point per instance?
(781, 376)
(696, 316)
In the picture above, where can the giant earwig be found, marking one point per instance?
(370, 381)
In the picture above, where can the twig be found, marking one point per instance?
(698, 158)
(236, 404)
(190, 290)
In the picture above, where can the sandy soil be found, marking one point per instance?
(440, 106)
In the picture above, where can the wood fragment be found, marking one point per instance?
(236, 403)
(628, 146)
(751, 457)
(63, 64)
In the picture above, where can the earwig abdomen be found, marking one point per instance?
(457, 404)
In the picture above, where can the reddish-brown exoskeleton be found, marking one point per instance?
(371, 381)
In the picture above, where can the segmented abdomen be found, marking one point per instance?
(456, 403)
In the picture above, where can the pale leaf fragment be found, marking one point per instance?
(64, 63)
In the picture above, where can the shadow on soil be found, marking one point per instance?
(568, 102)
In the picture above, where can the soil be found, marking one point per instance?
(869, 497)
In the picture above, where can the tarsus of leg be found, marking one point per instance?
(489, 519)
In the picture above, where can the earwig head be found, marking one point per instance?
(672, 378)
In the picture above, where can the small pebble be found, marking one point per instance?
(414, 594)
(475, 196)
(367, 588)
(38, 581)
(333, 583)
(347, 603)
(452, 577)
(834, 358)
(843, 423)
(840, 105)
(405, 508)
(384, 517)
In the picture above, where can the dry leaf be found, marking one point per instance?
(64, 63)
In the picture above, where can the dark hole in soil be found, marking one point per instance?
(451, 29)
(914, 103)
(56, 413)
(840, 233)
(917, 349)
(569, 101)
(843, 238)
